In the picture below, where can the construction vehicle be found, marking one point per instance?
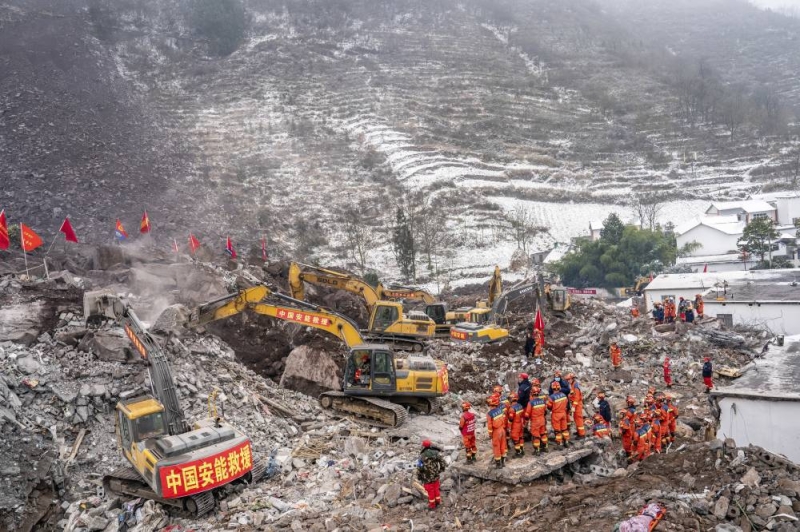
(484, 324)
(387, 317)
(636, 290)
(482, 306)
(170, 461)
(377, 384)
(559, 299)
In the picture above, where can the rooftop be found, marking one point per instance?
(745, 205)
(710, 259)
(775, 376)
(726, 224)
(697, 281)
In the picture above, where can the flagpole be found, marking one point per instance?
(51, 246)
(24, 251)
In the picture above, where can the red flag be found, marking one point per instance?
(193, 243)
(264, 255)
(144, 227)
(119, 231)
(175, 246)
(705, 268)
(229, 248)
(651, 277)
(538, 321)
(69, 232)
(30, 240)
(4, 241)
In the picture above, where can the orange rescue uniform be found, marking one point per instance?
(616, 356)
(536, 411)
(576, 402)
(516, 420)
(496, 423)
(558, 404)
(626, 430)
(467, 426)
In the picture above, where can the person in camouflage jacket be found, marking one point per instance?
(429, 466)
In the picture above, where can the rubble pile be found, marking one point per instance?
(60, 381)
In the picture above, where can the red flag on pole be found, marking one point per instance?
(193, 243)
(144, 227)
(264, 255)
(30, 240)
(705, 268)
(229, 248)
(175, 246)
(69, 232)
(4, 241)
(651, 277)
(538, 321)
(119, 231)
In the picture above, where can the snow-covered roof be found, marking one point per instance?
(695, 281)
(725, 224)
(709, 259)
(557, 253)
(774, 376)
(749, 206)
(772, 196)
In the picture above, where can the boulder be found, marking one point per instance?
(751, 478)
(21, 323)
(28, 365)
(721, 508)
(110, 346)
(311, 371)
(106, 257)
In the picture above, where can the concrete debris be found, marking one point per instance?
(60, 383)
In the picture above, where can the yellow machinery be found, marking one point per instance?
(637, 289)
(558, 299)
(171, 462)
(387, 320)
(478, 324)
(377, 383)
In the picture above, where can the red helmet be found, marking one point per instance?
(598, 417)
(570, 376)
(536, 382)
(630, 400)
(601, 395)
(494, 400)
(648, 400)
(513, 396)
(426, 444)
(651, 390)
(497, 389)
(556, 386)
(536, 390)
(523, 376)
(465, 406)
(706, 359)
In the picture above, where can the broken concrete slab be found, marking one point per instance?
(311, 371)
(109, 346)
(525, 469)
(21, 323)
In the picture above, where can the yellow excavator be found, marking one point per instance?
(386, 314)
(478, 324)
(559, 299)
(377, 383)
(170, 461)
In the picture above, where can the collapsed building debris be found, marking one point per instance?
(59, 385)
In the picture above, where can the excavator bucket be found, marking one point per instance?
(101, 304)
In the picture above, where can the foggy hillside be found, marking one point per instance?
(291, 118)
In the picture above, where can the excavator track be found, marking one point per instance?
(400, 343)
(377, 412)
(127, 481)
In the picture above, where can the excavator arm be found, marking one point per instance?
(406, 293)
(98, 305)
(495, 286)
(261, 300)
(521, 290)
(300, 273)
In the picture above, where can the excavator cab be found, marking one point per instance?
(370, 369)
(437, 312)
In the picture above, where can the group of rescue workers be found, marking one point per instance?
(668, 312)
(525, 411)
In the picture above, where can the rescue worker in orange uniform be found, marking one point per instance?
(670, 312)
(576, 402)
(655, 426)
(672, 421)
(634, 312)
(699, 305)
(616, 355)
(668, 372)
(538, 338)
(558, 404)
(516, 423)
(536, 412)
(626, 429)
(661, 405)
(641, 443)
(496, 391)
(467, 426)
(496, 424)
(600, 427)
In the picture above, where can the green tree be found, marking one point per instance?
(613, 229)
(404, 246)
(222, 22)
(601, 263)
(757, 238)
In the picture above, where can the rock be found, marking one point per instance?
(609, 510)
(21, 323)
(94, 522)
(727, 527)
(751, 478)
(171, 319)
(721, 508)
(71, 338)
(109, 346)
(106, 257)
(700, 506)
(28, 365)
(311, 371)
(787, 510)
(611, 327)
(688, 480)
(355, 446)
(766, 510)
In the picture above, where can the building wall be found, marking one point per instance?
(763, 423)
(788, 210)
(714, 242)
(781, 318)
(714, 267)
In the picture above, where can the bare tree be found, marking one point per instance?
(432, 232)
(733, 111)
(359, 237)
(524, 227)
(647, 207)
